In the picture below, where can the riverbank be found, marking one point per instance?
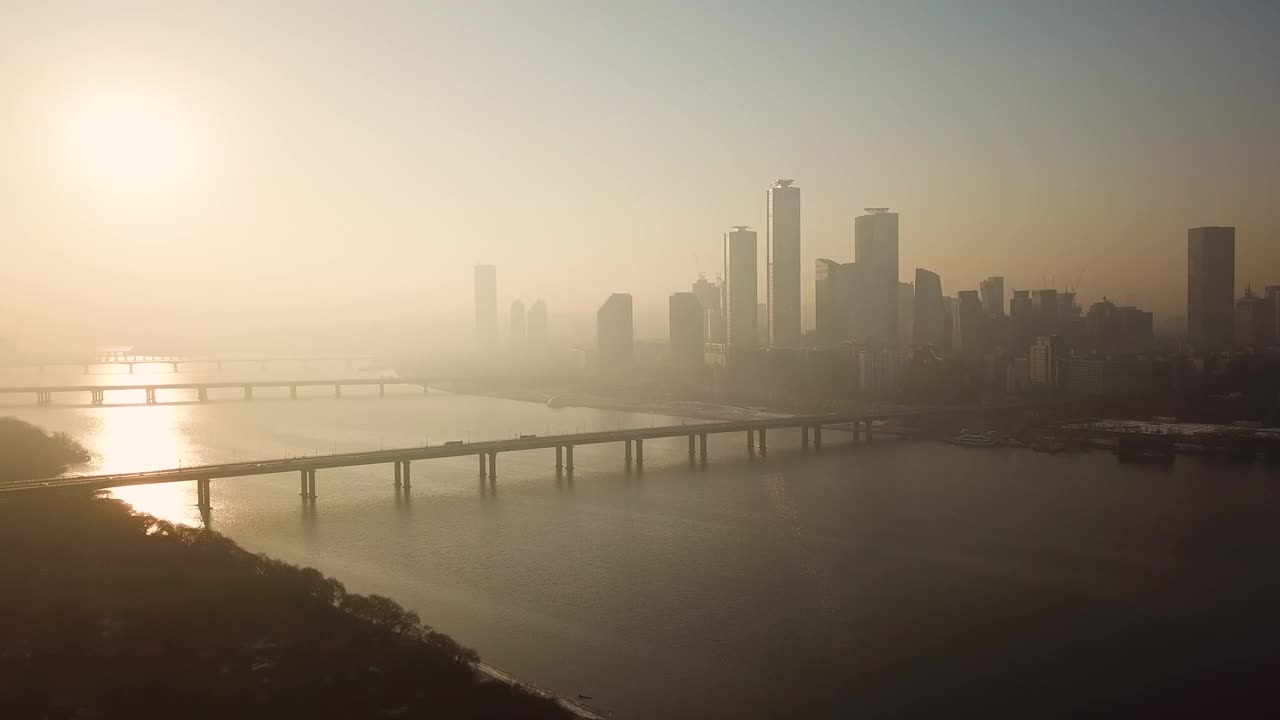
(119, 614)
(687, 409)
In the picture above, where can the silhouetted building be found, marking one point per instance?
(1045, 312)
(1273, 297)
(1110, 329)
(876, 371)
(685, 327)
(486, 288)
(831, 312)
(1108, 377)
(875, 247)
(906, 311)
(992, 290)
(949, 308)
(740, 306)
(783, 243)
(518, 333)
(615, 342)
(1211, 281)
(929, 323)
(1255, 321)
(536, 321)
(762, 321)
(1048, 360)
(711, 295)
(969, 325)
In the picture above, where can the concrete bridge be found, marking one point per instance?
(401, 459)
(175, 362)
(97, 393)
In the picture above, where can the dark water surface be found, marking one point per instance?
(881, 581)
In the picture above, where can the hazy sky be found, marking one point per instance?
(237, 164)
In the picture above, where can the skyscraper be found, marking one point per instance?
(1255, 321)
(875, 247)
(615, 343)
(992, 290)
(969, 325)
(783, 241)
(486, 287)
(906, 311)
(831, 315)
(929, 321)
(740, 288)
(685, 327)
(1273, 296)
(1211, 281)
(518, 334)
(536, 324)
(710, 295)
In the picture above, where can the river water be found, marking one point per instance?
(876, 581)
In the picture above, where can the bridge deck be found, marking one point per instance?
(215, 384)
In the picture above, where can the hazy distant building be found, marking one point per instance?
(1021, 319)
(615, 342)
(536, 322)
(992, 290)
(875, 247)
(969, 324)
(783, 243)
(949, 308)
(876, 371)
(762, 321)
(686, 329)
(831, 315)
(1108, 376)
(740, 306)
(711, 295)
(1255, 321)
(929, 323)
(486, 288)
(906, 311)
(1118, 330)
(1048, 360)
(1273, 297)
(1211, 281)
(518, 333)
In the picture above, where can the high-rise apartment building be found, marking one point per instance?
(875, 247)
(740, 278)
(1255, 321)
(992, 290)
(685, 327)
(1211, 280)
(783, 244)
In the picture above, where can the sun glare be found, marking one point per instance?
(130, 142)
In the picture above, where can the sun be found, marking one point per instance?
(130, 142)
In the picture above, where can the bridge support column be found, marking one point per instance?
(692, 451)
(96, 396)
(763, 448)
(311, 484)
(482, 470)
(493, 465)
(702, 446)
(337, 391)
(293, 392)
(568, 458)
(131, 367)
(817, 437)
(868, 431)
(151, 396)
(248, 392)
(559, 458)
(626, 453)
(397, 474)
(382, 390)
(804, 437)
(751, 441)
(175, 367)
(407, 482)
(202, 494)
(203, 394)
(639, 452)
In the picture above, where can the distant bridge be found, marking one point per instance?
(633, 440)
(97, 393)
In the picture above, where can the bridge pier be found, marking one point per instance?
(202, 494)
(337, 391)
(293, 392)
(130, 367)
(397, 474)
(151, 396)
(817, 437)
(751, 441)
(804, 437)
(493, 465)
(763, 448)
(248, 392)
(382, 390)
(175, 366)
(568, 458)
(43, 397)
(626, 454)
(96, 397)
(559, 458)
(702, 447)
(482, 470)
(692, 451)
(639, 452)
(203, 394)
(407, 482)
